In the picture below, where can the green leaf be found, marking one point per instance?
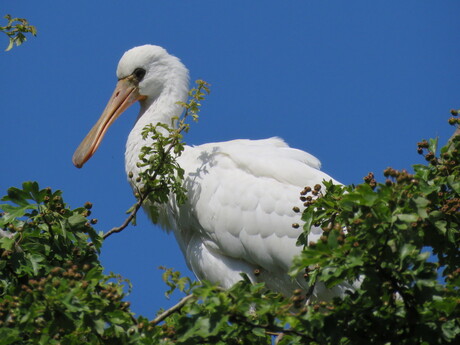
(433, 145)
(17, 196)
(332, 239)
(31, 187)
(450, 329)
(99, 326)
(364, 195)
(35, 260)
(9, 335)
(77, 221)
(14, 212)
(10, 44)
(421, 205)
(441, 225)
(407, 218)
(307, 217)
(259, 331)
(7, 243)
(454, 183)
(408, 250)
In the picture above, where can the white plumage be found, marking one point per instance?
(241, 193)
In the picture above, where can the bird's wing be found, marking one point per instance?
(241, 196)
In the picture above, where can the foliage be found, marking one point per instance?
(16, 30)
(397, 242)
(161, 176)
(52, 289)
(400, 241)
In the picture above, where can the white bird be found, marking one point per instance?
(239, 213)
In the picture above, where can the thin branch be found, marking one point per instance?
(128, 220)
(171, 310)
(273, 330)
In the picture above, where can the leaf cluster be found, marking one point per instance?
(160, 176)
(16, 30)
(398, 243)
(52, 286)
(174, 280)
(241, 315)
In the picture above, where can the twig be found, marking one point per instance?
(273, 330)
(171, 310)
(128, 220)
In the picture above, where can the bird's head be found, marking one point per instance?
(143, 74)
(149, 68)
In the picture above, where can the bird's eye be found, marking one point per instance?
(139, 73)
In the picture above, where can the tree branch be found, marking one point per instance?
(171, 310)
(128, 220)
(273, 330)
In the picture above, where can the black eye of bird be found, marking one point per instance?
(139, 73)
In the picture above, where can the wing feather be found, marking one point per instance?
(241, 196)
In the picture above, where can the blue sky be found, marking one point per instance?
(356, 83)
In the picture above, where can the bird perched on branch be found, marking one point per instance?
(241, 195)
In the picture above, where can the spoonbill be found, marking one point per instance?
(240, 194)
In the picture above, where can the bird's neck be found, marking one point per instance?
(161, 109)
